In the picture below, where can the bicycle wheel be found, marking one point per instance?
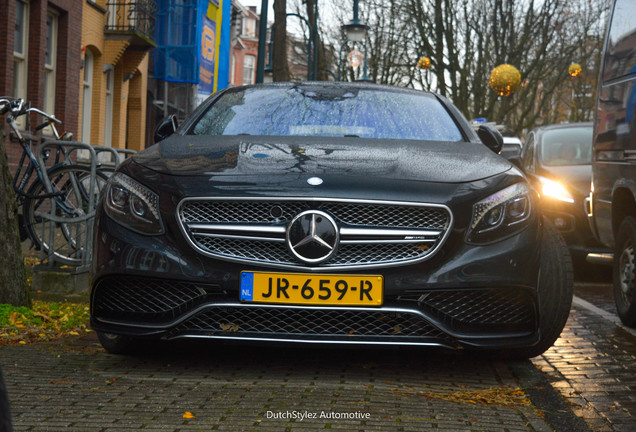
(72, 182)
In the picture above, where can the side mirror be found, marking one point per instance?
(166, 127)
(491, 137)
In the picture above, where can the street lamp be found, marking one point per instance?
(356, 31)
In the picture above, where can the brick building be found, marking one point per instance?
(40, 58)
(244, 45)
(116, 39)
(86, 61)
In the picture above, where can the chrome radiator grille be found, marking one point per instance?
(372, 233)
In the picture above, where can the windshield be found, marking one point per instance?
(328, 111)
(567, 146)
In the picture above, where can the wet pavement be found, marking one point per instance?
(77, 386)
(593, 364)
(586, 382)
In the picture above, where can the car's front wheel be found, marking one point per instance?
(625, 272)
(555, 291)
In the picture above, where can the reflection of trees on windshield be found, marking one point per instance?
(219, 115)
(329, 111)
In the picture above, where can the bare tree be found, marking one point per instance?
(466, 39)
(280, 65)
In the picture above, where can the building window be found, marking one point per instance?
(249, 27)
(50, 63)
(248, 69)
(20, 49)
(87, 96)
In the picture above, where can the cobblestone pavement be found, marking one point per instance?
(77, 386)
(593, 364)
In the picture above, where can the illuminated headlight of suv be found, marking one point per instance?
(500, 215)
(133, 205)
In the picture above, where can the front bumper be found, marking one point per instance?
(467, 295)
(571, 220)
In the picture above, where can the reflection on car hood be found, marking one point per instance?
(349, 156)
(576, 178)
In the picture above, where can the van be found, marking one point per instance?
(613, 195)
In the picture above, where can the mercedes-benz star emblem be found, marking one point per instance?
(312, 236)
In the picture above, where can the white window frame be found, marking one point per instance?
(249, 78)
(109, 79)
(87, 95)
(249, 27)
(20, 59)
(50, 69)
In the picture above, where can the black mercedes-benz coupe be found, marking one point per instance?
(332, 213)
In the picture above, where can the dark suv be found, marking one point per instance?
(614, 163)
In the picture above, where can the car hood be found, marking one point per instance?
(575, 177)
(241, 156)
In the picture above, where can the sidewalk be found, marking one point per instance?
(76, 386)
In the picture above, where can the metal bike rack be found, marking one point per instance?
(76, 232)
(84, 236)
(83, 239)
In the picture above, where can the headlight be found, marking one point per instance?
(555, 190)
(500, 215)
(133, 205)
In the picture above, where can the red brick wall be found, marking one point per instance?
(68, 60)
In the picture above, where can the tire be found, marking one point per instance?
(73, 181)
(117, 344)
(625, 272)
(555, 292)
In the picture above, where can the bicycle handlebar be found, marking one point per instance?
(16, 106)
(49, 117)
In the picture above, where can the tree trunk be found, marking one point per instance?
(321, 73)
(280, 65)
(13, 287)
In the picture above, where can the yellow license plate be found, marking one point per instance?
(314, 289)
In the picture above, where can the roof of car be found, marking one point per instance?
(564, 126)
(332, 84)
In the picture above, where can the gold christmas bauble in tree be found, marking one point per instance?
(505, 79)
(424, 63)
(575, 69)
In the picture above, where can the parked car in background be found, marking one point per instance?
(613, 215)
(339, 213)
(558, 162)
(511, 150)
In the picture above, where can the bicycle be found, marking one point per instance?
(65, 196)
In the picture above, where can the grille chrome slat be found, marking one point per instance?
(211, 228)
(373, 233)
